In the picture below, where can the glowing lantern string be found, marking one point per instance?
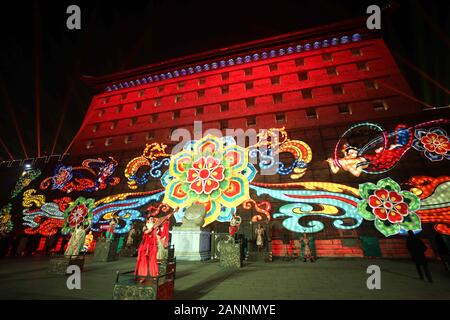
(151, 153)
(69, 179)
(386, 154)
(6, 224)
(434, 194)
(261, 207)
(25, 179)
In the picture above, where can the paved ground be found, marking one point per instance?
(27, 278)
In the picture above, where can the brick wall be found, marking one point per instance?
(390, 248)
(396, 248)
(335, 248)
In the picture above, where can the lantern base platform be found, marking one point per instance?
(151, 288)
(230, 255)
(191, 245)
(105, 250)
(59, 264)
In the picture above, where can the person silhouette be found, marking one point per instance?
(417, 249)
(442, 251)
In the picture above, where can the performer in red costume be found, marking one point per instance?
(147, 263)
(163, 240)
(235, 222)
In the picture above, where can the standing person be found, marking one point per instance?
(417, 250)
(234, 225)
(76, 241)
(286, 243)
(147, 263)
(232, 230)
(111, 228)
(163, 241)
(259, 236)
(88, 242)
(442, 250)
(130, 240)
(307, 253)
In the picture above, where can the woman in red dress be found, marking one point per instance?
(147, 263)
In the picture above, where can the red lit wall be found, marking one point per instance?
(396, 248)
(390, 248)
(128, 118)
(334, 248)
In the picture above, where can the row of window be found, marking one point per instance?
(249, 85)
(326, 57)
(277, 98)
(280, 118)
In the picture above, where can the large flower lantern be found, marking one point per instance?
(434, 143)
(392, 209)
(77, 213)
(212, 171)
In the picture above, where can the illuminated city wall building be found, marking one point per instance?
(319, 77)
(315, 83)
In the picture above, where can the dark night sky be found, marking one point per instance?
(129, 34)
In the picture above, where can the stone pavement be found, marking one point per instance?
(331, 278)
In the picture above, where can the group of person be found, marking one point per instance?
(417, 249)
(155, 241)
(153, 246)
(305, 246)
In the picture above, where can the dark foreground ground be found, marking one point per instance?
(27, 278)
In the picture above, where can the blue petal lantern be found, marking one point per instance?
(108, 89)
(156, 77)
(255, 57)
(198, 69)
(299, 48)
(222, 63)
(191, 70)
(247, 59)
(273, 53)
(176, 74)
(345, 40)
(334, 41)
(325, 43)
(307, 47)
(238, 60)
(356, 37)
(162, 76)
(281, 52)
(206, 67)
(183, 72)
(214, 65)
(230, 62)
(264, 55)
(290, 50)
